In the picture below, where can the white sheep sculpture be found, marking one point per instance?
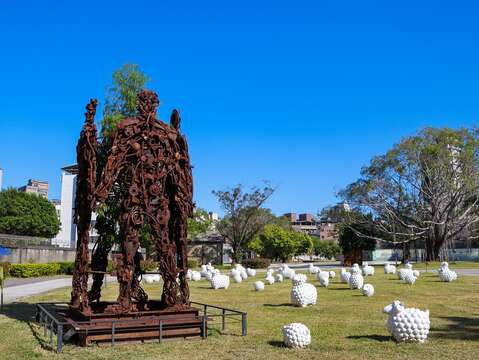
(356, 280)
(296, 335)
(445, 274)
(368, 290)
(258, 286)
(251, 272)
(219, 281)
(389, 269)
(302, 293)
(407, 324)
(344, 276)
(368, 270)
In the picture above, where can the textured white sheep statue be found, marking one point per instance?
(296, 335)
(344, 276)
(389, 269)
(445, 274)
(368, 270)
(258, 285)
(219, 281)
(302, 293)
(407, 324)
(356, 280)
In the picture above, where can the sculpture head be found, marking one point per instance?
(394, 308)
(147, 104)
(175, 119)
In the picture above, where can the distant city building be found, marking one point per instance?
(36, 187)
(1, 178)
(304, 223)
(213, 216)
(325, 227)
(67, 236)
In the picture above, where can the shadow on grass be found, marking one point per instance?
(463, 328)
(276, 343)
(375, 337)
(25, 312)
(340, 288)
(278, 305)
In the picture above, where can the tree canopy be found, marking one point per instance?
(199, 223)
(27, 214)
(277, 243)
(424, 188)
(243, 218)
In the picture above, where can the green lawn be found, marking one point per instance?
(344, 324)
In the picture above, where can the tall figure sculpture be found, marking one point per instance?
(157, 189)
(84, 204)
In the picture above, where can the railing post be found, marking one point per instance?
(45, 325)
(51, 331)
(244, 324)
(204, 331)
(113, 325)
(59, 338)
(223, 321)
(161, 331)
(205, 307)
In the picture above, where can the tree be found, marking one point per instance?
(120, 103)
(356, 237)
(326, 248)
(243, 218)
(121, 100)
(199, 223)
(424, 188)
(27, 214)
(277, 243)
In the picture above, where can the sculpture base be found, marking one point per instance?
(103, 325)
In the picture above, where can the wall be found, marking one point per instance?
(419, 255)
(37, 254)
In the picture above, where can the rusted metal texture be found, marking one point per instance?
(152, 159)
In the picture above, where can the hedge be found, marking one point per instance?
(33, 270)
(256, 263)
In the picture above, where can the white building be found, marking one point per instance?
(1, 178)
(67, 236)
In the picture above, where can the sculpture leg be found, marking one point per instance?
(178, 235)
(126, 269)
(137, 291)
(79, 295)
(167, 255)
(99, 262)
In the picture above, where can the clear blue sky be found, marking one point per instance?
(301, 93)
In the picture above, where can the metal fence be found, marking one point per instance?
(52, 325)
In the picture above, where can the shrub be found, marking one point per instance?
(192, 263)
(66, 267)
(148, 265)
(6, 267)
(34, 270)
(256, 263)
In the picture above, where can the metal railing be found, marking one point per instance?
(52, 325)
(225, 313)
(47, 320)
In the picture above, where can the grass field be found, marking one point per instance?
(344, 324)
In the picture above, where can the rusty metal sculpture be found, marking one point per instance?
(152, 160)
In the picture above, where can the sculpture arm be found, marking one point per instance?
(113, 166)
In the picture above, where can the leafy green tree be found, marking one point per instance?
(328, 249)
(120, 101)
(277, 243)
(199, 223)
(27, 214)
(243, 218)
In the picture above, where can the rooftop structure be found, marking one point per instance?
(38, 187)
